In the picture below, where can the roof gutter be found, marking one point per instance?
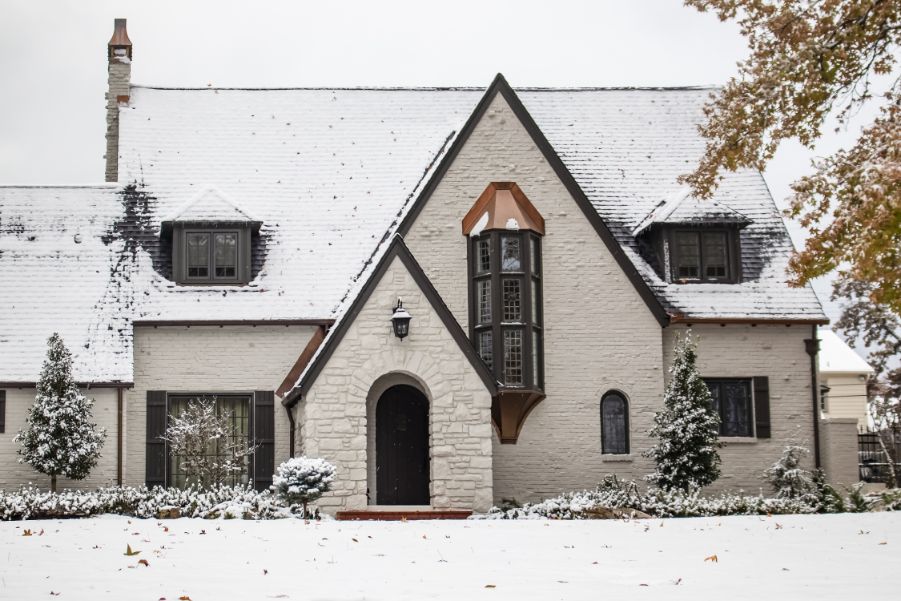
(687, 320)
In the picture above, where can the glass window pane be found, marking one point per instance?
(715, 255)
(688, 255)
(486, 348)
(613, 421)
(535, 258)
(198, 255)
(236, 409)
(536, 350)
(512, 300)
(226, 254)
(513, 357)
(483, 296)
(732, 400)
(483, 256)
(536, 318)
(510, 254)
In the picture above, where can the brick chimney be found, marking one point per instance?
(118, 56)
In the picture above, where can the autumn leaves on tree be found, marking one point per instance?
(809, 60)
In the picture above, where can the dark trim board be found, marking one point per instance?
(396, 249)
(500, 86)
(85, 385)
(689, 321)
(231, 322)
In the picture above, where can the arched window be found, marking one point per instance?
(614, 424)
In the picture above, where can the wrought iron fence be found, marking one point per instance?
(872, 462)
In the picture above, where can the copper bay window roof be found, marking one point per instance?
(502, 206)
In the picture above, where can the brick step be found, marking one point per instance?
(395, 515)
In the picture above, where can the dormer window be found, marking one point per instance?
(687, 240)
(702, 255)
(212, 256)
(211, 242)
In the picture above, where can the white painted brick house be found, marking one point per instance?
(253, 244)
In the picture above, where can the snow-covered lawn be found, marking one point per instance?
(780, 557)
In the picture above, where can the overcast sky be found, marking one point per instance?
(53, 60)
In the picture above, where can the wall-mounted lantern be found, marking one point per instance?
(400, 320)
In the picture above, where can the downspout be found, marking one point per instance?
(291, 431)
(119, 419)
(812, 346)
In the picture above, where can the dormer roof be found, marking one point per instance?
(502, 206)
(210, 206)
(684, 208)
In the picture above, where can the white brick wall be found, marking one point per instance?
(14, 474)
(208, 359)
(333, 416)
(599, 333)
(743, 351)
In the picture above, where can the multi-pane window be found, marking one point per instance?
(211, 256)
(702, 255)
(236, 409)
(733, 401)
(505, 299)
(614, 424)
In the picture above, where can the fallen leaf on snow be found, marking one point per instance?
(129, 552)
(884, 542)
(144, 563)
(712, 558)
(490, 586)
(184, 598)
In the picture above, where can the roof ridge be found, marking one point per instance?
(104, 185)
(684, 88)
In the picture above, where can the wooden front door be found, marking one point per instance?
(402, 447)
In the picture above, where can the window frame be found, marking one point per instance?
(752, 401)
(731, 247)
(180, 254)
(249, 397)
(627, 438)
(530, 326)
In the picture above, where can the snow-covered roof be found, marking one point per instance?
(685, 208)
(328, 173)
(58, 254)
(836, 356)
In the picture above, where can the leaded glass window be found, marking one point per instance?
(236, 409)
(614, 424)
(704, 255)
(211, 256)
(505, 302)
(733, 402)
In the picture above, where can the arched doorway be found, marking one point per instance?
(402, 447)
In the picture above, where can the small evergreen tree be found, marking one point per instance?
(789, 479)
(60, 439)
(303, 480)
(687, 429)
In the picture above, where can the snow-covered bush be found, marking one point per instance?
(788, 478)
(302, 480)
(197, 431)
(687, 428)
(627, 497)
(60, 439)
(141, 502)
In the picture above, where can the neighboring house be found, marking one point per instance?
(254, 244)
(843, 380)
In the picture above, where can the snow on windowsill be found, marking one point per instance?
(738, 439)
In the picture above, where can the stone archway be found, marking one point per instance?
(402, 447)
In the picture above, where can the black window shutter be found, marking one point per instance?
(762, 405)
(2, 411)
(156, 447)
(264, 438)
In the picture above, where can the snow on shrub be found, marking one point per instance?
(302, 480)
(215, 502)
(617, 494)
(788, 478)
